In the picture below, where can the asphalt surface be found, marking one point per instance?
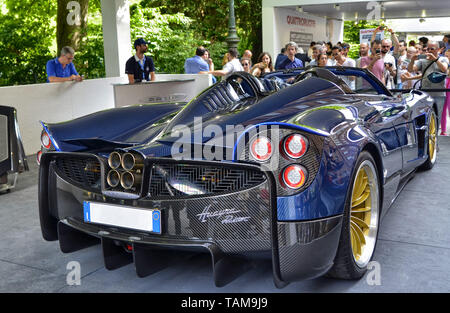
(412, 255)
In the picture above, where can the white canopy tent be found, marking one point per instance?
(286, 20)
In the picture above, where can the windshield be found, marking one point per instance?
(356, 80)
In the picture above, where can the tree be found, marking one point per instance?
(169, 36)
(71, 23)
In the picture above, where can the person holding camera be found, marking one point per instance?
(375, 61)
(434, 71)
(408, 79)
(390, 64)
(390, 68)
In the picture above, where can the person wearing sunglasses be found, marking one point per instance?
(434, 71)
(62, 69)
(246, 64)
(389, 62)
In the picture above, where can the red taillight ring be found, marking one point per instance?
(261, 149)
(38, 157)
(295, 146)
(45, 140)
(294, 176)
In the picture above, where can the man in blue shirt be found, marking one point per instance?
(291, 61)
(197, 63)
(62, 69)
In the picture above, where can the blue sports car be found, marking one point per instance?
(298, 166)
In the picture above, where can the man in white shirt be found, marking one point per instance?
(233, 65)
(407, 79)
(341, 60)
(389, 62)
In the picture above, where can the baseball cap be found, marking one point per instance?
(140, 41)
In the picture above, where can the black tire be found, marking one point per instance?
(431, 159)
(345, 265)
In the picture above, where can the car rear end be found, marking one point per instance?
(143, 208)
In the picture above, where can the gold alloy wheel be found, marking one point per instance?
(432, 135)
(364, 214)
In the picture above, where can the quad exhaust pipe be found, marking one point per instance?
(132, 162)
(114, 160)
(129, 180)
(113, 178)
(126, 170)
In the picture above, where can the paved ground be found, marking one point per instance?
(413, 250)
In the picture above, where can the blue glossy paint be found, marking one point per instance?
(115, 125)
(324, 197)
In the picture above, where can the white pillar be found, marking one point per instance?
(335, 30)
(270, 39)
(116, 36)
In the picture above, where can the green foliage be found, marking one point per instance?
(351, 34)
(90, 58)
(26, 34)
(28, 40)
(211, 21)
(170, 37)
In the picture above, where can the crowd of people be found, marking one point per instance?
(397, 64)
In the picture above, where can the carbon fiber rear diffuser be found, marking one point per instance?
(148, 259)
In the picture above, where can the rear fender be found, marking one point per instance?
(114, 126)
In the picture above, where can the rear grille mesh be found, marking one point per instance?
(168, 180)
(83, 171)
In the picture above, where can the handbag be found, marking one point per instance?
(434, 77)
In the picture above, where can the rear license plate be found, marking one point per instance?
(122, 216)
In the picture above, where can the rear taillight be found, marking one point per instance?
(38, 157)
(294, 176)
(261, 149)
(45, 140)
(295, 146)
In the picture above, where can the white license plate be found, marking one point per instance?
(122, 216)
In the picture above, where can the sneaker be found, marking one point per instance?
(444, 134)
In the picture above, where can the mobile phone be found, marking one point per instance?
(422, 57)
(378, 51)
(382, 27)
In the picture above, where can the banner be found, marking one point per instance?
(366, 34)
